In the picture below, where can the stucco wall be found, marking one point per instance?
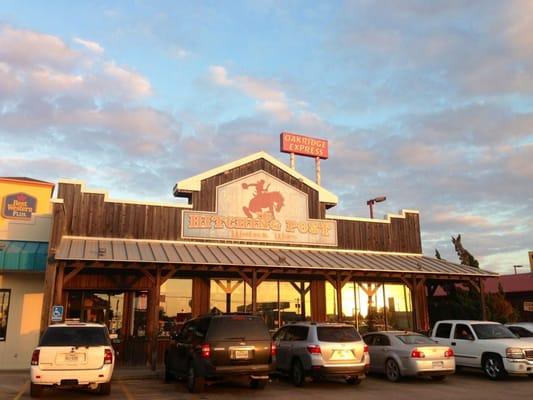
(23, 320)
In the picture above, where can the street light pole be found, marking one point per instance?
(370, 203)
(516, 266)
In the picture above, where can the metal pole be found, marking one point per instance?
(371, 210)
(293, 161)
(317, 166)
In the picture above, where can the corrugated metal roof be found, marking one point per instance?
(16, 255)
(151, 251)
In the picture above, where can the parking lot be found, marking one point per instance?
(469, 385)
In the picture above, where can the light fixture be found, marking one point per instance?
(370, 203)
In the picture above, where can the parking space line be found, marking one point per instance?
(22, 390)
(126, 392)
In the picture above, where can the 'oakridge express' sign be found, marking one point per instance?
(262, 208)
(19, 206)
(303, 145)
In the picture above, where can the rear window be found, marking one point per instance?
(415, 339)
(238, 327)
(75, 336)
(337, 334)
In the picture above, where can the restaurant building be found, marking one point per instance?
(25, 223)
(253, 235)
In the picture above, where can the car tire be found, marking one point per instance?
(169, 376)
(195, 383)
(104, 389)
(392, 370)
(297, 373)
(353, 380)
(438, 377)
(36, 390)
(258, 383)
(493, 367)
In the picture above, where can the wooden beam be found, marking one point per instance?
(245, 277)
(168, 275)
(72, 274)
(148, 275)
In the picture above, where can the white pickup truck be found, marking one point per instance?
(486, 345)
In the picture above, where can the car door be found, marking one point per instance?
(381, 349)
(183, 347)
(283, 346)
(442, 334)
(463, 346)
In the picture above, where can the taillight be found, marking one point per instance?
(205, 350)
(417, 354)
(108, 356)
(448, 353)
(273, 349)
(35, 357)
(366, 348)
(313, 349)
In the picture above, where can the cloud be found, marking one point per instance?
(127, 81)
(90, 45)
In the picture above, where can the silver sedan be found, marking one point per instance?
(402, 353)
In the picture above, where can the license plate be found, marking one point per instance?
(437, 364)
(241, 354)
(342, 355)
(71, 357)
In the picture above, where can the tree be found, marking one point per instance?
(437, 255)
(499, 309)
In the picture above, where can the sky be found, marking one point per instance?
(427, 103)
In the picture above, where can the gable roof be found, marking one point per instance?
(193, 184)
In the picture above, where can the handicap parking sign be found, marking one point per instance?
(57, 313)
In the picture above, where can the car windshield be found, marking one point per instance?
(238, 327)
(75, 336)
(415, 339)
(493, 331)
(337, 334)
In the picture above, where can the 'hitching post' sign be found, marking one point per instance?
(57, 313)
(260, 208)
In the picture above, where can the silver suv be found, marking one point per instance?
(316, 350)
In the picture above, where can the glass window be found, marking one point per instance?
(492, 331)
(230, 295)
(297, 333)
(331, 302)
(238, 326)
(75, 336)
(463, 332)
(444, 330)
(381, 340)
(5, 295)
(175, 304)
(337, 334)
(415, 339)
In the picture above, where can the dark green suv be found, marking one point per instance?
(217, 347)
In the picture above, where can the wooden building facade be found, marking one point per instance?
(253, 229)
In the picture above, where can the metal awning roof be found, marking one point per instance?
(17, 255)
(199, 253)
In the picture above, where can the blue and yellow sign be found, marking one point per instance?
(19, 206)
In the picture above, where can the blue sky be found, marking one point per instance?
(429, 103)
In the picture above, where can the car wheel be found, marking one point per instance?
(104, 388)
(195, 383)
(297, 373)
(438, 377)
(36, 390)
(258, 383)
(169, 376)
(353, 380)
(392, 370)
(493, 367)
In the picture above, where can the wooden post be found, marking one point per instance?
(200, 295)
(482, 295)
(414, 302)
(48, 298)
(155, 314)
(58, 292)
(339, 286)
(254, 291)
(318, 300)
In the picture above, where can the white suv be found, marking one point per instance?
(487, 345)
(73, 354)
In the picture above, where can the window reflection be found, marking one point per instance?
(175, 305)
(230, 295)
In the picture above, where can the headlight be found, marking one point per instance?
(514, 352)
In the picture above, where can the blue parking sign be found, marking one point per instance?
(57, 313)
